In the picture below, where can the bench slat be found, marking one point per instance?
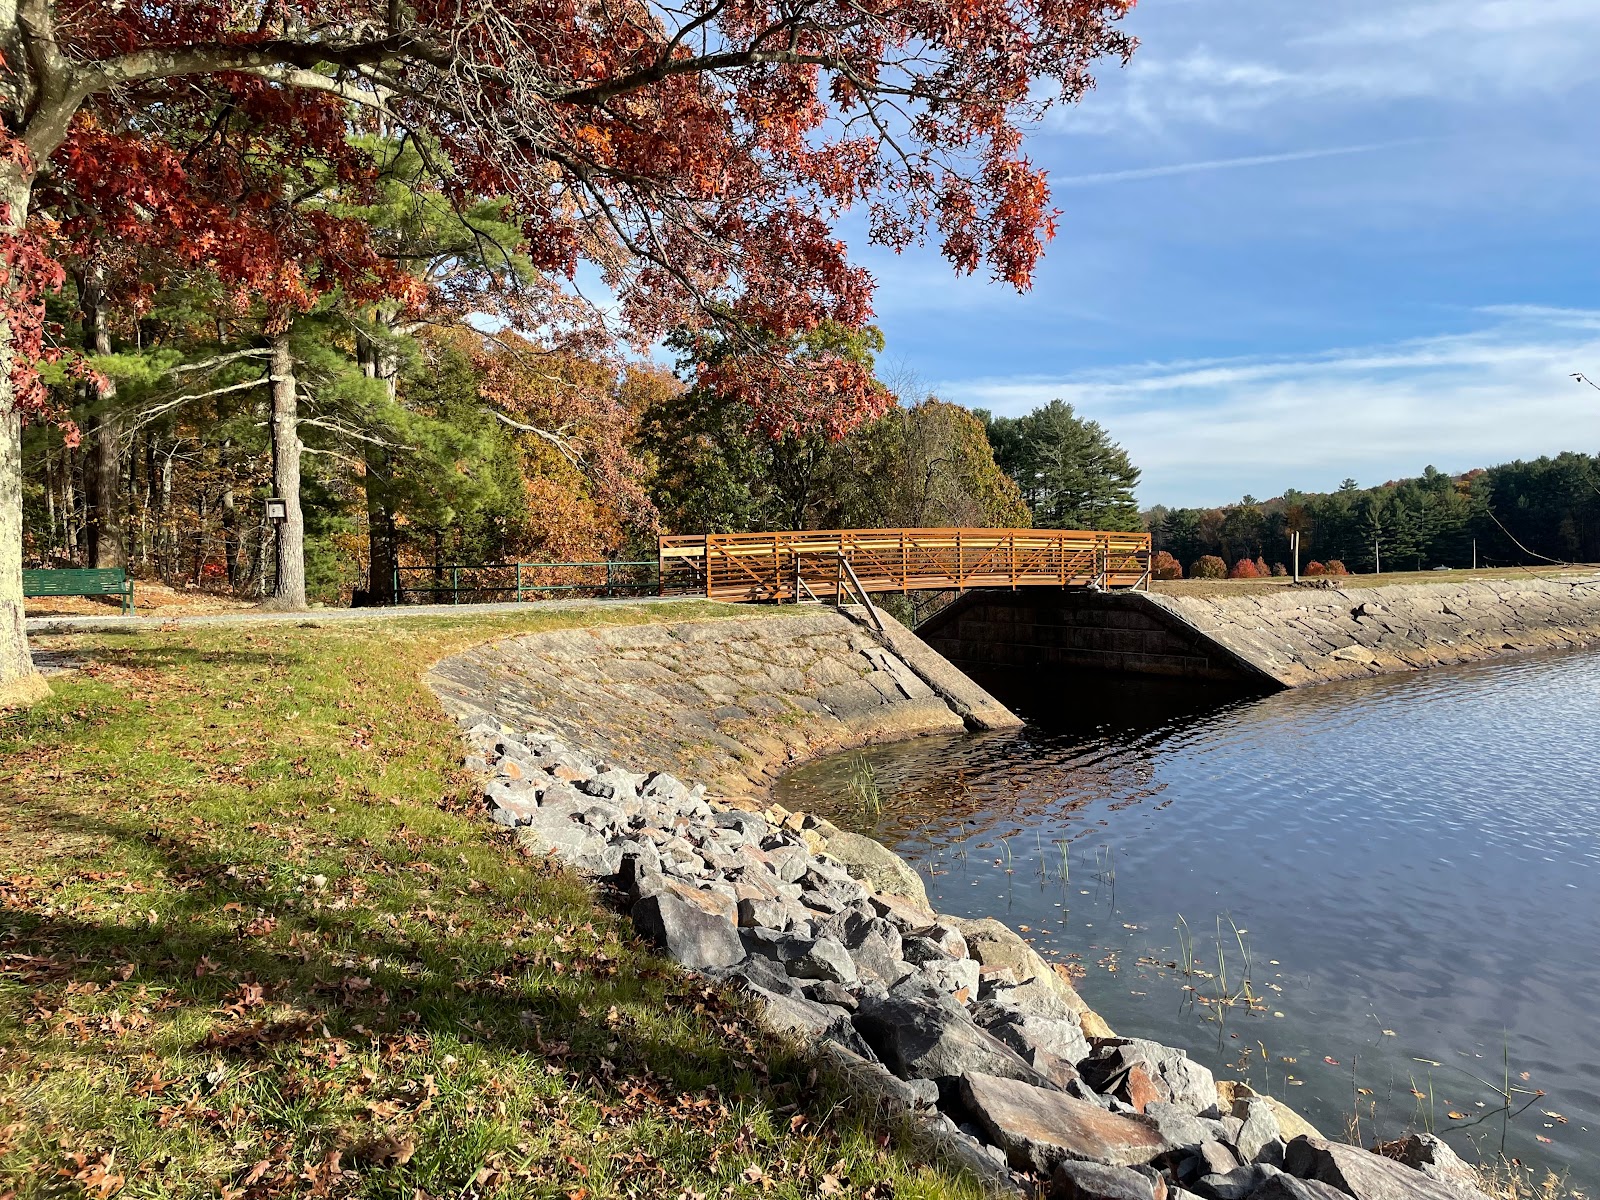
(79, 581)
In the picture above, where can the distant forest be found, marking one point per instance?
(1519, 513)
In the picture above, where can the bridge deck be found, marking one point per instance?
(778, 566)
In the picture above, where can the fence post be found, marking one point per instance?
(397, 583)
(455, 585)
(961, 568)
(519, 583)
(608, 579)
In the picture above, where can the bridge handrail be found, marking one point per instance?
(773, 565)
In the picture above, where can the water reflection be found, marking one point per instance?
(1410, 864)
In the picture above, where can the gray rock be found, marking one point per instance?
(1215, 1157)
(1038, 1128)
(1237, 1184)
(874, 946)
(576, 845)
(951, 976)
(826, 991)
(1062, 1037)
(760, 972)
(610, 784)
(919, 949)
(751, 826)
(690, 931)
(1286, 1187)
(665, 789)
(639, 857)
(826, 959)
(765, 914)
(1432, 1156)
(1364, 1175)
(1260, 1128)
(1181, 1128)
(789, 863)
(779, 947)
(935, 1039)
(1074, 1180)
(563, 795)
(879, 868)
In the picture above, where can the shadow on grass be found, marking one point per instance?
(333, 1013)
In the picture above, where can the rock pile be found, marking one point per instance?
(957, 1023)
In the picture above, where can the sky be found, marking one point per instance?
(1299, 243)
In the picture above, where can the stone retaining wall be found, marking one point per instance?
(732, 702)
(1300, 636)
(1286, 637)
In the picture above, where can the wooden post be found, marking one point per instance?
(519, 583)
(455, 585)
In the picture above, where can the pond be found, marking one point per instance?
(1380, 900)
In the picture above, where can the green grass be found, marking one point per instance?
(254, 941)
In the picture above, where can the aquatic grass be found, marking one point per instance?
(862, 784)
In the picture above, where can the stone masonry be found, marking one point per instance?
(732, 702)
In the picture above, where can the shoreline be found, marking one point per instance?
(694, 870)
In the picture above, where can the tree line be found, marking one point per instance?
(1514, 514)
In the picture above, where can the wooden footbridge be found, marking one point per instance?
(833, 563)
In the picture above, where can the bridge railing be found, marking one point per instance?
(805, 564)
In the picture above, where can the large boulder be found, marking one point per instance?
(1365, 1175)
(1073, 1180)
(928, 1038)
(1432, 1156)
(1025, 1033)
(876, 866)
(1286, 1187)
(1038, 1128)
(695, 928)
(999, 949)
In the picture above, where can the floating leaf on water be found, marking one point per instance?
(1456, 1116)
(1365, 1091)
(1419, 1095)
(1542, 1138)
(1429, 1061)
(1330, 1060)
(1277, 1014)
(1390, 1033)
(1554, 1116)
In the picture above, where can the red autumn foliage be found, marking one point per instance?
(1315, 568)
(697, 157)
(1243, 569)
(1164, 566)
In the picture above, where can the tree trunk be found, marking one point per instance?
(20, 683)
(289, 585)
(69, 502)
(383, 552)
(230, 517)
(102, 475)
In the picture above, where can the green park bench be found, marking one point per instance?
(80, 581)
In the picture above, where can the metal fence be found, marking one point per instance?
(461, 583)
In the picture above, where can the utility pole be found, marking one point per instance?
(1377, 560)
(1294, 544)
(1474, 554)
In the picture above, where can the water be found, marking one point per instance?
(1412, 864)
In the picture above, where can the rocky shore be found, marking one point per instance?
(959, 1026)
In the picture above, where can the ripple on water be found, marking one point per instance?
(1420, 854)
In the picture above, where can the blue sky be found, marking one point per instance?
(1302, 242)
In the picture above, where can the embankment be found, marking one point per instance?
(1288, 637)
(730, 702)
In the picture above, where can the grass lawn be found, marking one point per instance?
(255, 941)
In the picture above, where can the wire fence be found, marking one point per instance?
(462, 583)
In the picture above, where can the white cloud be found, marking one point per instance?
(1201, 64)
(1212, 164)
(1209, 431)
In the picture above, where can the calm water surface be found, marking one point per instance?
(1412, 865)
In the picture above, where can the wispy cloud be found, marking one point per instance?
(1278, 62)
(1216, 164)
(1209, 431)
